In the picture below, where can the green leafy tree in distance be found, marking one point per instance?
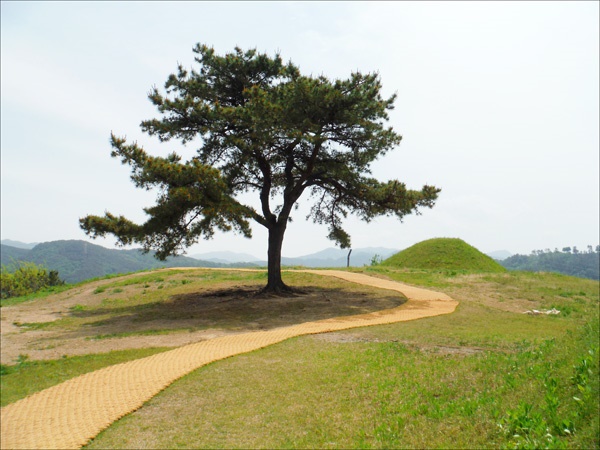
(266, 128)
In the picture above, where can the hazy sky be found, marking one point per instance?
(498, 105)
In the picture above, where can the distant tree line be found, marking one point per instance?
(568, 261)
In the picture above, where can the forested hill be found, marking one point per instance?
(569, 262)
(79, 260)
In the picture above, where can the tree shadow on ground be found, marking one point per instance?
(236, 309)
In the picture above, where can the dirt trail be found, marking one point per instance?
(70, 414)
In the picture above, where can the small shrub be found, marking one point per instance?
(376, 260)
(26, 278)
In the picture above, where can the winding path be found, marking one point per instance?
(68, 415)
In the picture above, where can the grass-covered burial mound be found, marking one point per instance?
(444, 254)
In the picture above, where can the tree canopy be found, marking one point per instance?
(262, 127)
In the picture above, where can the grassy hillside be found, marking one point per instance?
(444, 254)
(486, 376)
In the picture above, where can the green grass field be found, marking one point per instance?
(485, 376)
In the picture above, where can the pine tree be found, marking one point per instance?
(266, 128)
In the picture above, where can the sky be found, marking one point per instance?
(497, 103)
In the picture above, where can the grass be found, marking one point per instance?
(58, 289)
(35, 296)
(477, 378)
(172, 301)
(304, 393)
(139, 333)
(485, 376)
(444, 253)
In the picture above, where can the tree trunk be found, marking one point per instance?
(275, 284)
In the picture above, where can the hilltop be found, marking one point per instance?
(444, 254)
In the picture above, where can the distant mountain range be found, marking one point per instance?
(19, 244)
(79, 260)
(500, 254)
(330, 257)
(335, 257)
(226, 257)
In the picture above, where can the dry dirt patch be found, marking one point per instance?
(502, 297)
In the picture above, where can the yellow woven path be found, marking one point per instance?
(68, 415)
